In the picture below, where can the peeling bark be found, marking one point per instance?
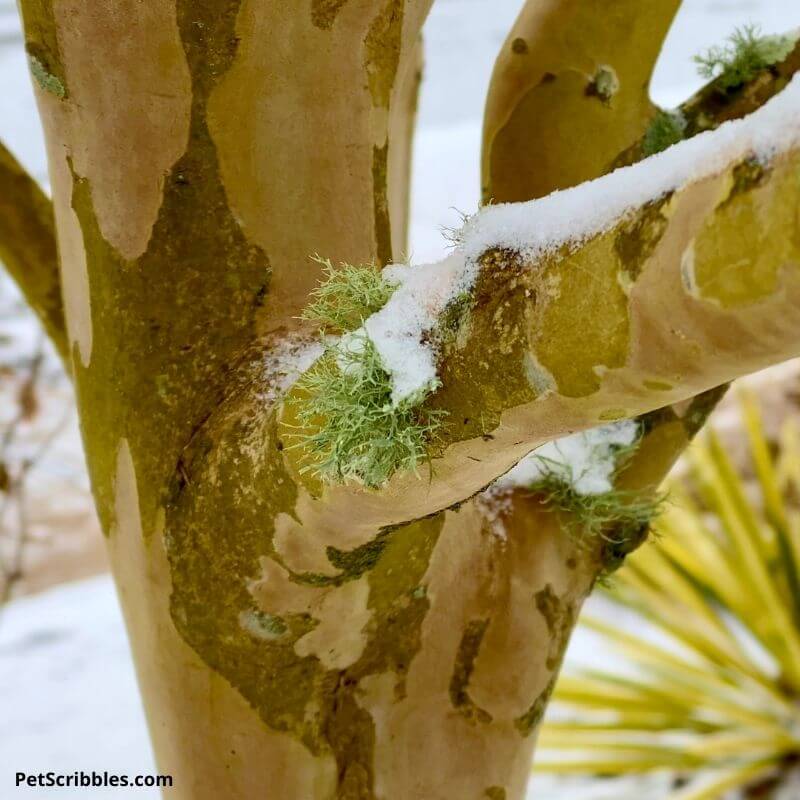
(338, 642)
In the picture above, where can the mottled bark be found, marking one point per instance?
(548, 124)
(307, 641)
(576, 136)
(200, 153)
(591, 131)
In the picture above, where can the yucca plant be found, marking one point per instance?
(705, 637)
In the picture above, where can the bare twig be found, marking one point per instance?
(15, 532)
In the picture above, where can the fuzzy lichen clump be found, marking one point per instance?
(605, 83)
(576, 474)
(747, 53)
(347, 296)
(419, 306)
(357, 430)
(666, 129)
(363, 435)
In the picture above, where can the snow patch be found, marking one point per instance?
(286, 362)
(401, 331)
(574, 215)
(584, 461)
(349, 350)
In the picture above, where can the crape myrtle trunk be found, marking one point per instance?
(292, 641)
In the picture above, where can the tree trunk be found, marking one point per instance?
(291, 638)
(199, 154)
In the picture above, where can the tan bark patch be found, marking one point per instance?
(423, 746)
(304, 553)
(341, 612)
(129, 102)
(191, 709)
(71, 249)
(291, 81)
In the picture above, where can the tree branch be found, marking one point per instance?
(28, 247)
(667, 430)
(557, 112)
(575, 310)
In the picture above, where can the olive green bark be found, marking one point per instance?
(28, 246)
(187, 461)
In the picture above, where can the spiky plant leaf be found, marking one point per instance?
(706, 680)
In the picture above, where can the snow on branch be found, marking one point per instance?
(638, 290)
(401, 330)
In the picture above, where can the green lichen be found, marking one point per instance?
(746, 53)
(41, 43)
(616, 517)
(665, 129)
(46, 80)
(263, 626)
(351, 428)
(347, 296)
(605, 83)
(357, 433)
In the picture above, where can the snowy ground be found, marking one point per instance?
(68, 698)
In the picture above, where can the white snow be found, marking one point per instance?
(584, 461)
(285, 363)
(68, 692)
(398, 329)
(401, 330)
(348, 350)
(574, 215)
